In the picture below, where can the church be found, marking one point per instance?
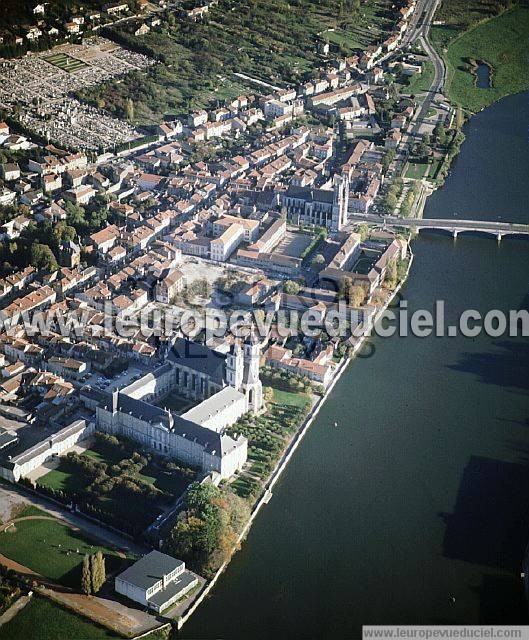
(225, 385)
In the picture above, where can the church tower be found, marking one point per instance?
(235, 366)
(251, 384)
(340, 202)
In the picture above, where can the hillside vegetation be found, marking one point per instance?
(271, 40)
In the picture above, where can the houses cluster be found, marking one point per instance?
(45, 25)
(272, 206)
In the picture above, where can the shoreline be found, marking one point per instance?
(291, 448)
(285, 458)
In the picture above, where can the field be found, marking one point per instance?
(290, 399)
(65, 62)
(175, 403)
(502, 42)
(420, 81)
(50, 548)
(464, 14)
(61, 479)
(59, 624)
(416, 170)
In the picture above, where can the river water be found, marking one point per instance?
(421, 494)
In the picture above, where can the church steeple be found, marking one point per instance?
(251, 383)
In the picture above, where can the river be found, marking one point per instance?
(421, 494)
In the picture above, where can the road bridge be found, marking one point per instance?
(451, 225)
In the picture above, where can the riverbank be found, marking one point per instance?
(291, 448)
(421, 494)
(501, 42)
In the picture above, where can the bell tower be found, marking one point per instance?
(235, 366)
(251, 384)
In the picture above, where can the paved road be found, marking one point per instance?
(421, 32)
(8, 492)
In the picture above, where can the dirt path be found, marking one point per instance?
(14, 609)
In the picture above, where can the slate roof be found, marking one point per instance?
(199, 358)
(150, 569)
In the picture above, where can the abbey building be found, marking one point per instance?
(221, 386)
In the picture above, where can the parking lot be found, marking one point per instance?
(99, 381)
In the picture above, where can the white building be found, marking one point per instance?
(228, 386)
(222, 247)
(23, 463)
(156, 581)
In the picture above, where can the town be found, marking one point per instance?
(250, 206)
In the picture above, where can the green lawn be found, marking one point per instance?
(502, 42)
(345, 39)
(420, 81)
(49, 548)
(30, 510)
(61, 479)
(434, 168)
(65, 62)
(175, 403)
(42, 619)
(174, 483)
(416, 170)
(290, 399)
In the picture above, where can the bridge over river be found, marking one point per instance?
(452, 225)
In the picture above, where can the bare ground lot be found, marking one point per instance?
(293, 244)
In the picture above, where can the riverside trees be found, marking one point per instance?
(206, 531)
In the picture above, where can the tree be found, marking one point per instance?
(129, 110)
(290, 287)
(388, 158)
(101, 570)
(42, 257)
(357, 296)
(422, 150)
(352, 294)
(268, 394)
(86, 581)
(206, 531)
(318, 259)
(94, 574)
(391, 273)
(363, 230)
(390, 202)
(440, 133)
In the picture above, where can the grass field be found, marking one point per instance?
(173, 483)
(502, 42)
(416, 170)
(61, 479)
(176, 403)
(345, 39)
(50, 548)
(290, 399)
(41, 619)
(420, 81)
(65, 62)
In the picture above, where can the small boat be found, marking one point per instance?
(335, 423)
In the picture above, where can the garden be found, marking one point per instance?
(117, 484)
